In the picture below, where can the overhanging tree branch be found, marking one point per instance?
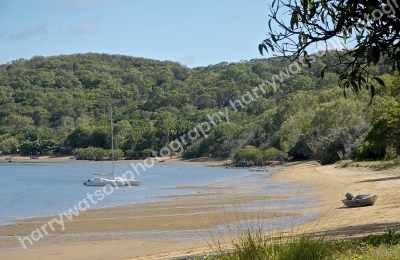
(373, 25)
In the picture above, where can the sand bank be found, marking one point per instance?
(184, 225)
(331, 185)
(41, 159)
(206, 161)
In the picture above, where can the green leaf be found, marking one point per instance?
(332, 15)
(273, 3)
(306, 59)
(262, 46)
(313, 8)
(305, 39)
(354, 86)
(376, 55)
(372, 91)
(380, 30)
(312, 12)
(269, 24)
(305, 5)
(342, 77)
(380, 81)
(346, 84)
(323, 73)
(273, 38)
(268, 42)
(361, 80)
(294, 20)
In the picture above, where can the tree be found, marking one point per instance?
(9, 145)
(372, 24)
(15, 123)
(100, 137)
(385, 133)
(248, 156)
(79, 137)
(165, 124)
(60, 103)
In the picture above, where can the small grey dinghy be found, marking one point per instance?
(359, 200)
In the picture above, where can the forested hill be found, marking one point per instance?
(60, 103)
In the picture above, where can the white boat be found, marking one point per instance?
(360, 200)
(102, 179)
(9, 159)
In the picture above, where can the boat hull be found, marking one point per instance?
(361, 200)
(117, 182)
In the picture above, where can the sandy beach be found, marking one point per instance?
(63, 159)
(40, 159)
(186, 224)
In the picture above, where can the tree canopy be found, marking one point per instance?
(60, 104)
(383, 137)
(372, 27)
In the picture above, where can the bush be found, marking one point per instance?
(390, 153)
(274, 154)
(9, 145)
(342, 143)
(252, 156)
(118, 154)
(97, 154)
(385, 132)
(301, 150)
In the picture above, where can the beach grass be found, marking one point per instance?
(378, 165)
(308, 246)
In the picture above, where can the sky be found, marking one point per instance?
(192, 32)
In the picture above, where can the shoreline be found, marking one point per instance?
(183, 216)
(204, 215)
(331, 183)
(205, 161)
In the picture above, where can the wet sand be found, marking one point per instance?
(187, 224)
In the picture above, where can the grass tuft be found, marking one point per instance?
(258, 246)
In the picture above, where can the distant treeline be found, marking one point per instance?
(56, 105)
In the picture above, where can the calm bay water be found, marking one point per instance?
(45, 189)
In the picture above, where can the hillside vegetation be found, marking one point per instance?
(55, 105)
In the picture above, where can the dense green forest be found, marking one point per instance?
(55, 105)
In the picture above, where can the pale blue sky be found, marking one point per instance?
(192, 32)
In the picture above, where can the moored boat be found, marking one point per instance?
(102, 179)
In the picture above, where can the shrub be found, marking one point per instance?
(97, 154)
(385, 132)
(390, 153)
(252, 156)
